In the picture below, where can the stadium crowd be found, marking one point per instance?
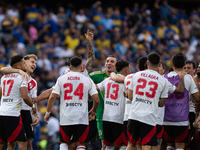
(128, 34)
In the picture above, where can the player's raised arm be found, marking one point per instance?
(91, 56)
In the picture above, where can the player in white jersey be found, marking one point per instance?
(141, 65)
(13, 90)
(145, 90)
(30, 61)
(73, 88)
(114, 105)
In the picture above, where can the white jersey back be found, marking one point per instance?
(114, 100)
(73, 88)
(11, 100)
(148, 87)
(32, 93)
(127, 82)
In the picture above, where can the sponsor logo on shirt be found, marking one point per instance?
(7, 100)
(112, 103)
(143, 101)
(73, 104)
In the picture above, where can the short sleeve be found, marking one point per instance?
(164, 93)
(56, 88)
(93, 88)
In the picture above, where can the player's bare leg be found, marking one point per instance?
(22, 145)
(103, 145)
(146, 147)
(29, 144)
(2, 145)
(131, 146)
(180, 145)
(11, 145)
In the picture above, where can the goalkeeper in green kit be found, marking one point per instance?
(97, 77)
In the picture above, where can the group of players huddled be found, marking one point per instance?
(133, 111)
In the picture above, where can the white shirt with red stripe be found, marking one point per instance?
(114, 100)
(127, 82)
(11, 100)
(73, 88)
(148, 87)
(32, 93)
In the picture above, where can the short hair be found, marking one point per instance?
(142, 65)
(75, 61)
(178, 60)
(27, 57)
(121, 65)
(154, 58)
(15, 59)
(191, 62)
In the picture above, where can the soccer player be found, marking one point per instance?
(73, 88)
(141, 65)
(147, 91)
(176, 119)
(30, 61)
(114, 105)
(13, 89)
(161, 110)
(97, 77)
(190, 68)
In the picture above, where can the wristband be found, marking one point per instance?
(33, 106)
(47, 113)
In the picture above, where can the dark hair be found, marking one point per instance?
(178, 60)
(75, 61)
(112, 56)
(191, 62)
(154, 58)
(121, 65)
(15, 59)
(142, 65)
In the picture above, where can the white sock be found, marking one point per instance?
(170, 148)
(122, 148)
(109, 147)
(179, 149)
(81, 147)
(63, 146)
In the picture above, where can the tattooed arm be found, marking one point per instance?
(91, 56)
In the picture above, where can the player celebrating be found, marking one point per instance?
(97, 77)
(30, 61)
(145, 89)
(73, 88)
(13, 90)
(114, 105)
(176, 119)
